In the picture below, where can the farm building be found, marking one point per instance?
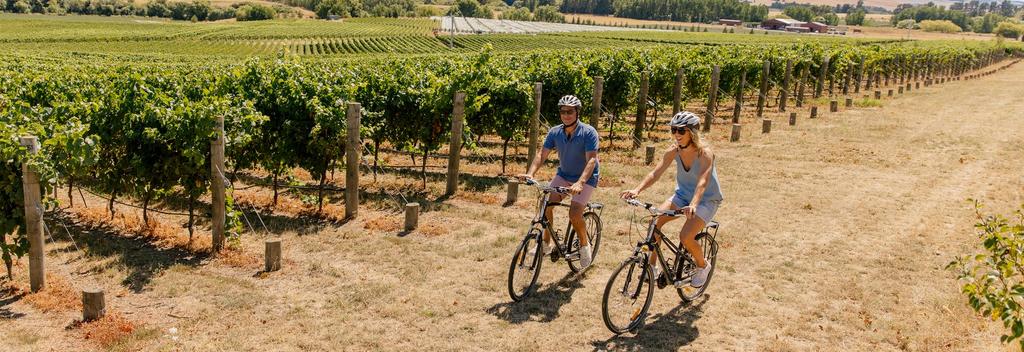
(726, 22)
(779, 24)
(798, 29)
(816, 27)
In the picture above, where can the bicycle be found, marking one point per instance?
(526, 264)
(678, 272)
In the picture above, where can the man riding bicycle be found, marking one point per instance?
(576, 144)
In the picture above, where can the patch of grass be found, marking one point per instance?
(867, 103)
(106, 332)
(58, 296)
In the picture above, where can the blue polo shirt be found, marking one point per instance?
(572, 151)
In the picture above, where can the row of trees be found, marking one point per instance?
(196, 10)
(670, 10)
(974, 20)
(360, 8)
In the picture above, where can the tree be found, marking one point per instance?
(856, 17)
(548, 14)
(799, 13)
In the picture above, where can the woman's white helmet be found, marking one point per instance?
(685, 119)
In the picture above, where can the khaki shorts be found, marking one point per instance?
(582, 198)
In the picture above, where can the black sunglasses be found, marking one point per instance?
(679, 130)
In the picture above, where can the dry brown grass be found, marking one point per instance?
(384, 223)
(157, 231)
(58, 296)
(239, 258)
(106, 332)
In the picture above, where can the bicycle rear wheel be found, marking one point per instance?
(710, 249)
(594, 226)
(525, 267)
(627, 297)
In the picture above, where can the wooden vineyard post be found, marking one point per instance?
(867, 82)
(739, 98)
(846, 81)
(595, 115)
(33, 217)
(792, 119)
(94, 306)
(272, 255)
(860, 76)
(649, 155)
(849, 102)
(889, 93)
(878, 94)
(352, 156)
(712, 98)
(513, 192)
(821, 78)
(766, 125)
(907, 89)
(833, 106)
(455, 148)
(899, 89)
(800, 86)
(814, 112)
(412, 216)
(763, 93)
(538, 87)
(218, 204)
(735, 136)
(677, 92)
(784, 92)
(641, 111)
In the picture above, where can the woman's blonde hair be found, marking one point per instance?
(702, 148)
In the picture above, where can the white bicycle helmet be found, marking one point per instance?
(685, 119)
(570, 100)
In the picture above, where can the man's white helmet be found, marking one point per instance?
(570, 100)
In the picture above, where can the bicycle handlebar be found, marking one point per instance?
(651, 208)
(546, 188)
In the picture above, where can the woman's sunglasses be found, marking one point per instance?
(679, 130)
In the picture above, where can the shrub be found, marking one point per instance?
(548, 14)
(1009, 30)
(907, 24)
(943, 26)
(254, 12)
(993, 280)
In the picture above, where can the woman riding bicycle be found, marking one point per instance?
(576, 143)
(697, 191)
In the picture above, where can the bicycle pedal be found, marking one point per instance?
(681, 283)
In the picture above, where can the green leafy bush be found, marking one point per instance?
(943, 26)
(993, 280)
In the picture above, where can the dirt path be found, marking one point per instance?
(835, 234)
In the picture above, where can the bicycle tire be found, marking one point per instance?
(645, 279)
(710, 248)
(533, 238)
(593, 234)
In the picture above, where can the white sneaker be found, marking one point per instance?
(657, 272)
(701, 276)
(585, 257)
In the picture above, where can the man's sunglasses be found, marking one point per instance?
(679, 130)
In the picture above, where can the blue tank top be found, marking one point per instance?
(686, 181)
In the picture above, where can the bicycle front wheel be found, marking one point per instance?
(525, 267)
(627, 297)
(593, 222)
